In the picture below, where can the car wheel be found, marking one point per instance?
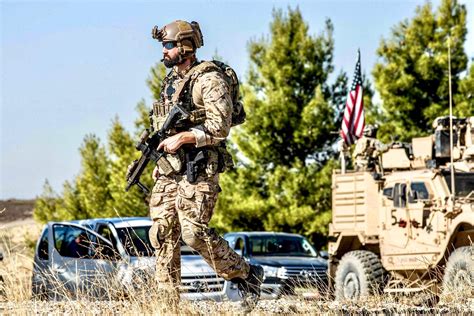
(458, 280)
(40, 292)
(359, 273)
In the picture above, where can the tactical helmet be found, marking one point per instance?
(370, 130)
(188, 36)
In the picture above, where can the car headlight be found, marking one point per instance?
(274, 272)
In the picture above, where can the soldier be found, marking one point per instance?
(367, 150)
(180, 208)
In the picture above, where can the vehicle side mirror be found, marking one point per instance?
(388, 193)
(323, 254)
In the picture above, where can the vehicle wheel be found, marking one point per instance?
(359, 273)
(39, 292)
(458, 280)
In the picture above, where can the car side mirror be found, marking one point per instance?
(324, 254)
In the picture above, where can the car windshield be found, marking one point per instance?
(136, 241)
(281, 246)
(463, 182)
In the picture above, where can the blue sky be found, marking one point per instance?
(69, 67)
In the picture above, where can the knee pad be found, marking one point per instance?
(193, 237)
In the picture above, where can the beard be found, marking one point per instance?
(171, 62)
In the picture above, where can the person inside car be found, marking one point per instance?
(78, 248)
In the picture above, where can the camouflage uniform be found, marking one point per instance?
(181, 209)
(366, 153)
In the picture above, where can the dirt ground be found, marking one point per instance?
(16, 212)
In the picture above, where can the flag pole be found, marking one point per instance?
(450, 121)
(342, 156)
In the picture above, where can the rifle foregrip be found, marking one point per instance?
(190, 172)
(144, 135)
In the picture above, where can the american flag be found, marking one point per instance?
(353, 121)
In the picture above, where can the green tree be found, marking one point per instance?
(72, 206)
(282, 179)
(154, 81)
(47, 205)
(92, 183)
(87, 196)
(412, 74)
(122, 152)
(465, 98)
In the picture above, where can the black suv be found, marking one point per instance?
(290, 262)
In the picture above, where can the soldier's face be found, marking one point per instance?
(170, 55)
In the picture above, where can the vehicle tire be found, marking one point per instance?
(39, 292)
(458, 280)
(359, 273)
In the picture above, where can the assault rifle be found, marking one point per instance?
(148, 146)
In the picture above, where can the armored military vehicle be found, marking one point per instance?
(407, 224)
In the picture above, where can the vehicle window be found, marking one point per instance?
(230, 239)
(257, 246)
(419, 191)
(136, 241)
(239, 245)
(399, 196)
(103, 250)
(388, 192)
(105, 232)
(281, 246)
(43, 251)
(73, 242)
(463, 182)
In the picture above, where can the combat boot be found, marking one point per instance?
(250, 288)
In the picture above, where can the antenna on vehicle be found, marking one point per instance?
(450, 120)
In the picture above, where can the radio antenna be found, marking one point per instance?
(450, 120)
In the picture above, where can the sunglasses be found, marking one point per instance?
(169, 45)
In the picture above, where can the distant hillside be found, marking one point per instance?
(13, 210)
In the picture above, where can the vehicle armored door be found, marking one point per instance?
(421, 218)
(83, 263)
(395, 229)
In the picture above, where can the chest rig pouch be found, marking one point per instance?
(169, 164)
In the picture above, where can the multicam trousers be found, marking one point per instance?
(180, 209)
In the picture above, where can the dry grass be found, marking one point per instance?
(18, 245)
